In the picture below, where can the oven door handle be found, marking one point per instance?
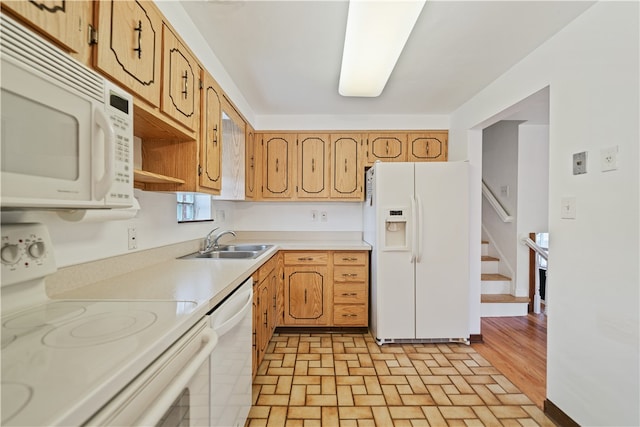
(236, 318)
(173, 390)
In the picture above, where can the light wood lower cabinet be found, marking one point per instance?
(351, 288)
(309, 288)
(264, 308)
(326, 288)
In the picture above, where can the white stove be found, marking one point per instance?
(62, 360)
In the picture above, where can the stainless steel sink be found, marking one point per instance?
(241, 248)
(231, 252)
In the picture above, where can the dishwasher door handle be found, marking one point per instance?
(162, 402)
(227, 324)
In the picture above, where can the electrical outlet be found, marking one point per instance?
(504, 191)
(323, 216)
(609, 159)
(133, 238)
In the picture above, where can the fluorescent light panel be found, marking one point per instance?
(376, 34)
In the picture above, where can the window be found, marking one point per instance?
(193, 207)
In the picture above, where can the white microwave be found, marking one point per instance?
(66, 132)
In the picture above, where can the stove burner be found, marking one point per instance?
(50, 313)
(15, 397)
(7, 339)
(99, 329)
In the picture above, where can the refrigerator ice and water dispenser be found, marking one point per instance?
(395, 230)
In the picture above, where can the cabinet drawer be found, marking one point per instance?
(343, 273)
(306, 258)
(350, 315)
(350, 258)
(349, 293)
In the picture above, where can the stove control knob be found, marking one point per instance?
(37, 250)
(10, 254)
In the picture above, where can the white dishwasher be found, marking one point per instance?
(230, 362)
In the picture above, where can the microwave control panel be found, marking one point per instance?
(119, 108)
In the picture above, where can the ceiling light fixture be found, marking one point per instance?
(377, 31)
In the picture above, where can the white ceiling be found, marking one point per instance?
(285, 56)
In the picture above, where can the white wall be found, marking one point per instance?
(500, 169)
(296, 216)
(533, 193)
(591, 67)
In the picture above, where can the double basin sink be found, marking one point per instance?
(231, 252)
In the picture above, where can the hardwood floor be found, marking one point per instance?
(517, 347)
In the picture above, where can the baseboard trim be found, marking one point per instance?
(476, 339)
(322, 330)
(558, 415)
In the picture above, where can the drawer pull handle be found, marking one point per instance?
(350, 259)
(349, 294)
(350, 274)
(349, 315)
(305, 259)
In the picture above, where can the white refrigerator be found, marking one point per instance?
(416, 217)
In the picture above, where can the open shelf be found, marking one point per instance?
(154, 178)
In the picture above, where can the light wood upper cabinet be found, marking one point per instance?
(251, 165)
(129, 46)
(347, 168)
(278, 162)
(313, 166)
(66, 23)
(210, 142)
(428, 146)
(180, 80)
(386, 147)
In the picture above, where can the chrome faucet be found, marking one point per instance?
(208, 243)
(215, 241)
(211, 241)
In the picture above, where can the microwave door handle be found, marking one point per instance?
(104, 183)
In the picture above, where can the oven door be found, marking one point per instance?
(173, 391)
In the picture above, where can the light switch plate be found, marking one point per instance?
(580, 163)
(568, 208)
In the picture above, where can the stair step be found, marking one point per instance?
(503, 299)
(503, 305)
(488, 258)
(494, 276)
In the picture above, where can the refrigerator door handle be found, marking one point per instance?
(419, 232)
(414, 233)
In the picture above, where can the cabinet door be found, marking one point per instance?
(280, 289)
(306, 290)
(313, 166)
(387, 147)
(273, 301)
(250, 164)
(428, 146)
(130, 45)
(210, 144)
(66, 23)
(255, 360)
(347, 169)
(264, 302)
(278, 162)
(180, 77)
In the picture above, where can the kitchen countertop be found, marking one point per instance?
(204, 281)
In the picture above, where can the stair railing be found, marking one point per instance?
(500, 210)
(527, 241)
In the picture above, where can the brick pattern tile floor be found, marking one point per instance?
(347, 380)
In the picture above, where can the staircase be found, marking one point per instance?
(496, 299)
